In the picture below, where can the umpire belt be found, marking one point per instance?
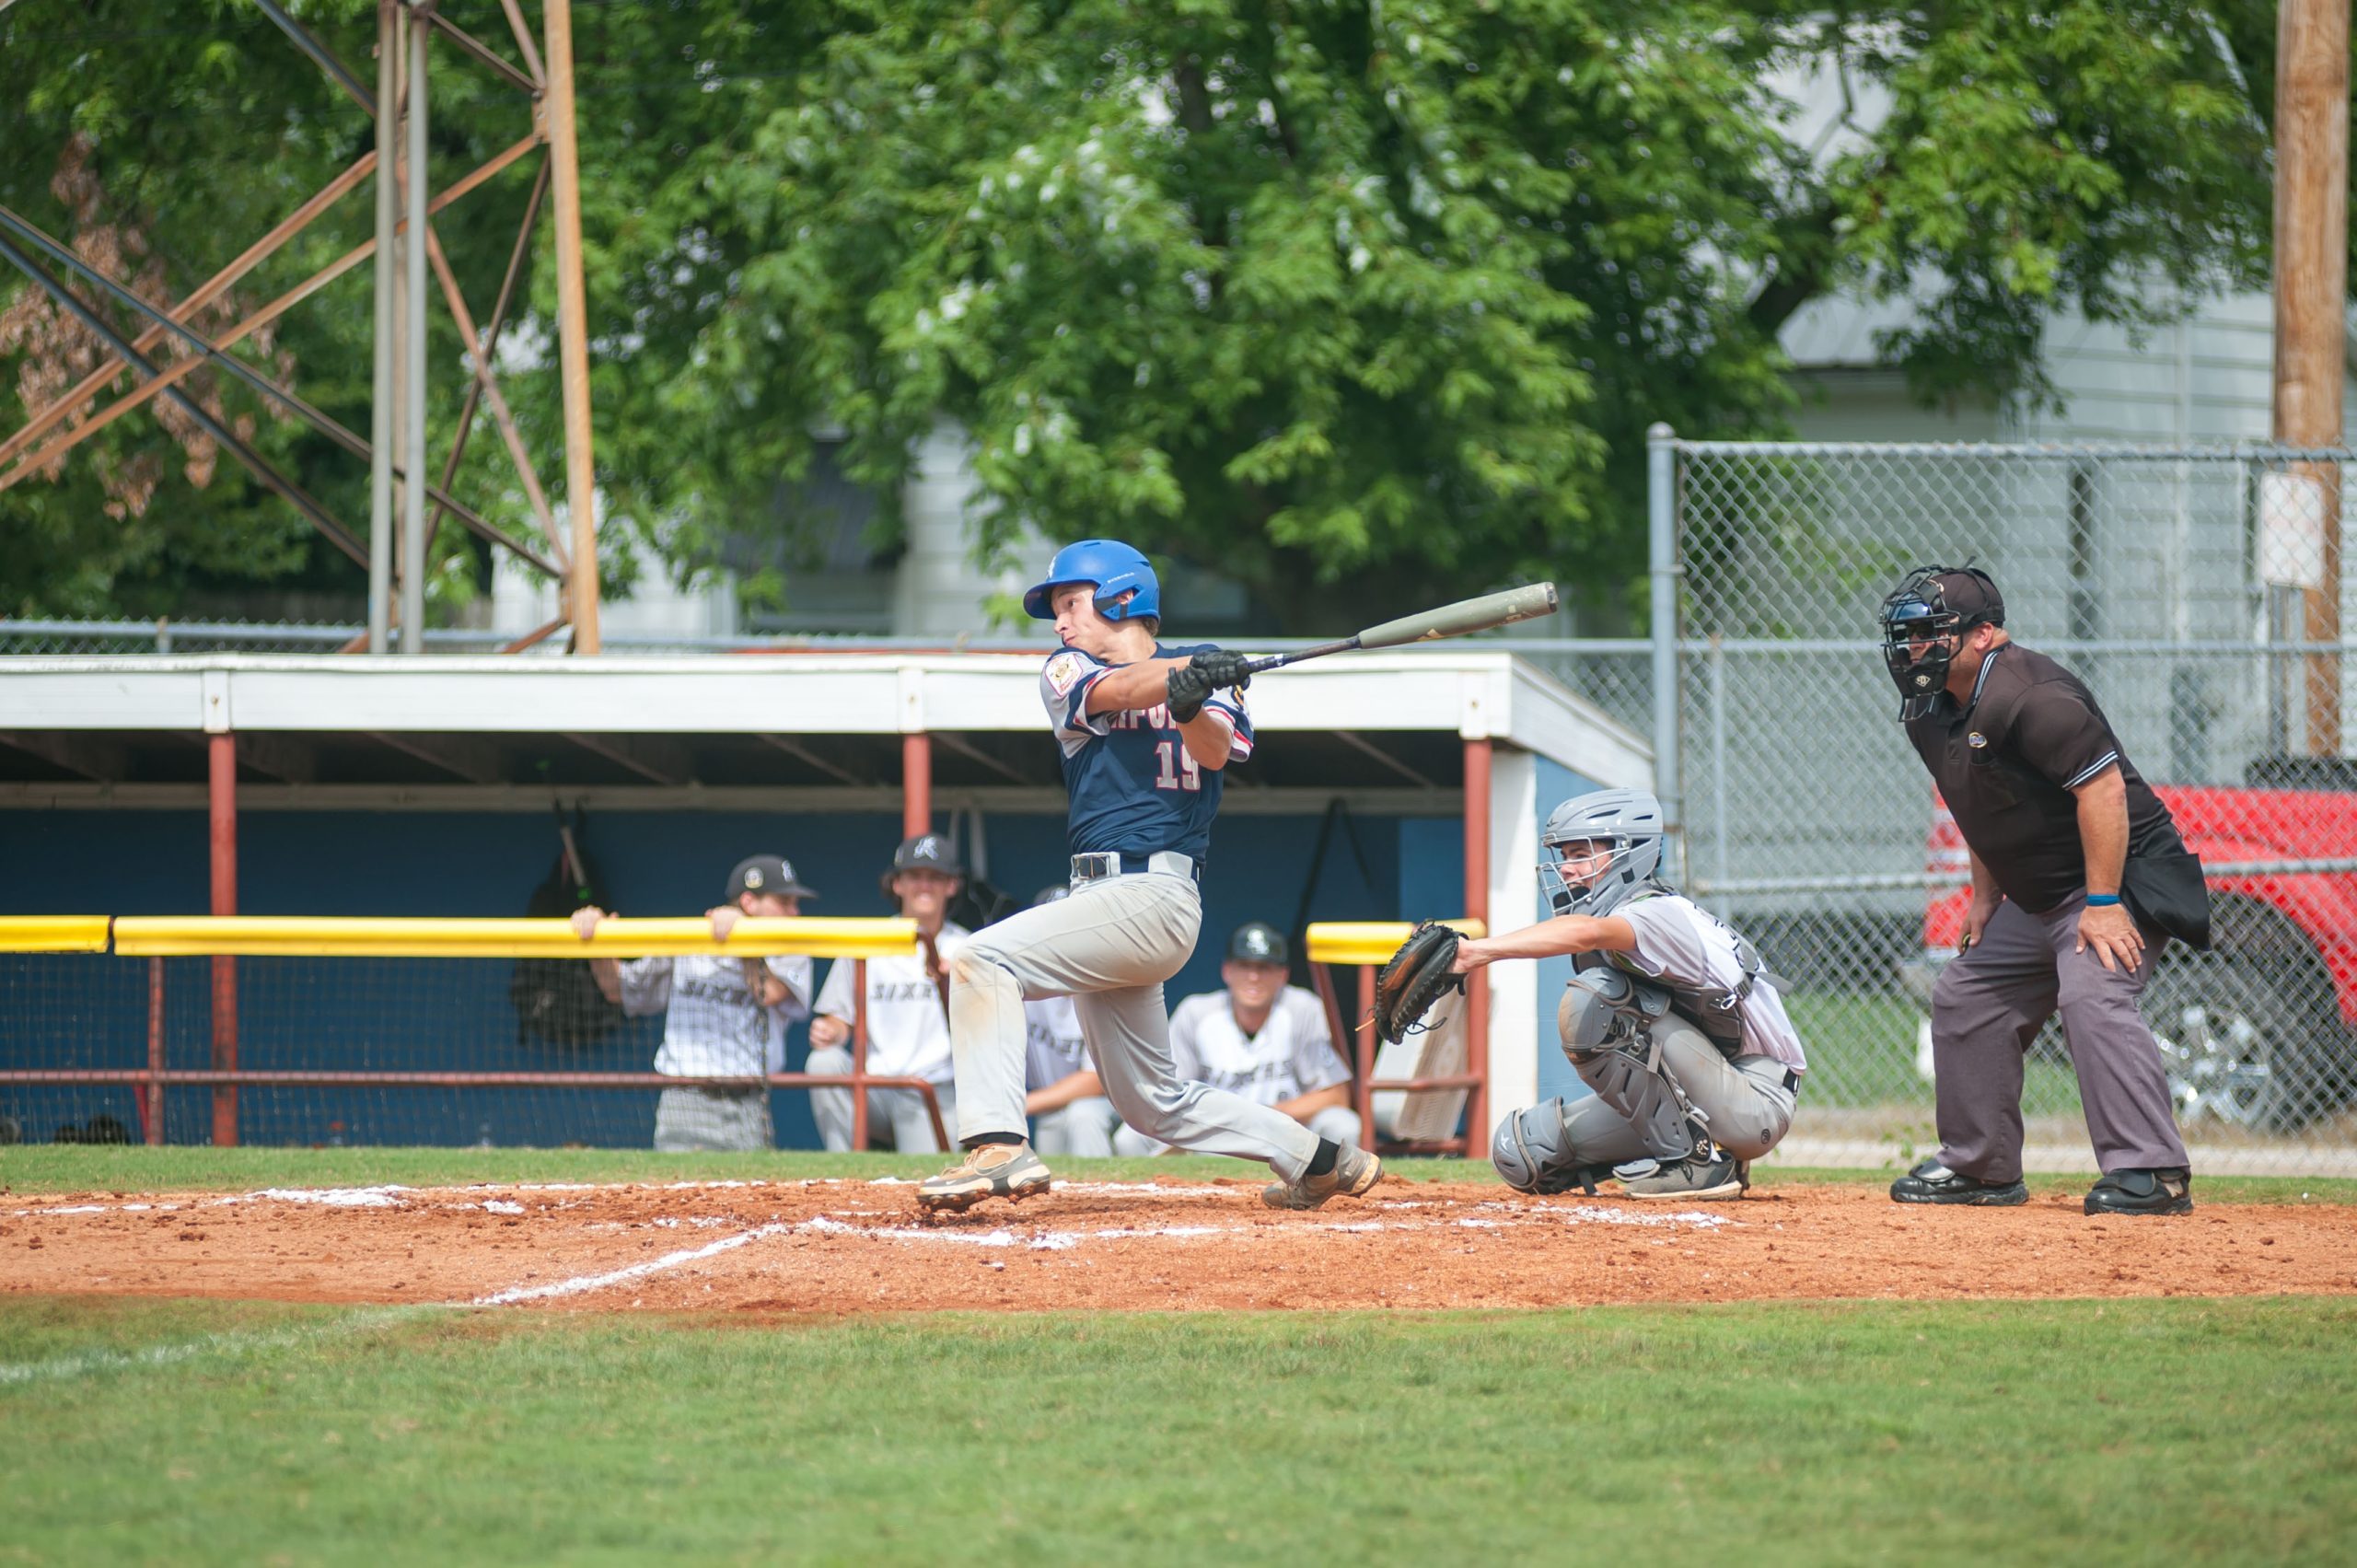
(1088, 868)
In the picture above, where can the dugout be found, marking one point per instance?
(353, 785)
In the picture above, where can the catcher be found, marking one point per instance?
(1668, 1017)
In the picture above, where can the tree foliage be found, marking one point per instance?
(1360, 304)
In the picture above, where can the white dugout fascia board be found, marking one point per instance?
(1472, 693)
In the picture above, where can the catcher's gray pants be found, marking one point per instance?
(1084, 1127)
(1988, 1007)
(898, 1113)
(1338, 1122)
(688, 1119)
(1108, 946)
(1750, 1106)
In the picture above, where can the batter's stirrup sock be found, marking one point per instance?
(980, 1139)
(1322, 1162)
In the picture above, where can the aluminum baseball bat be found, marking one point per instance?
(1448, 621)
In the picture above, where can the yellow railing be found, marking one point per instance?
(320, 935)
(53, 934)
(1369, 941)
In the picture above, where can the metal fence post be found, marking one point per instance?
(1660, 480)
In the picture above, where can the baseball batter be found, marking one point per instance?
(1146, 732)
(908, 1021)
(1062, 1094)
(1668, 1017)
(1260, 1038)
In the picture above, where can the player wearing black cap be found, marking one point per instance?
(908, 1010)
(2054, 815)
(721, 1017)
(1262, 1040)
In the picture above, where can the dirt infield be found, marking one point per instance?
(841, 1247)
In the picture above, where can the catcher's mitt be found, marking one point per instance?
(1406, 988)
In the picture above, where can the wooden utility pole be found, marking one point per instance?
(2311, 282)
(573, 329)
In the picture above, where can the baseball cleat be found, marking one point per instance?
(1354, 1172)
(1709, 1172)
(1931, 1182)
(1013, 1171)
(2165, 1192)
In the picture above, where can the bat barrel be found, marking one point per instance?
(1465, 615)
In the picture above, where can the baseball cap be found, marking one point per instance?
(1257, 942)
(926, 852)
(771, 874)
(1969, 595)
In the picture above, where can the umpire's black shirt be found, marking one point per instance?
(2006, 762)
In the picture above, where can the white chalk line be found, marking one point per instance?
(86, 1364)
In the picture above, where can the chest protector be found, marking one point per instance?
(1717, 1011)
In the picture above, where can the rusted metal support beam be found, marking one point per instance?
(808, 758)
(488, 383)
(286, 489)
(974, 753)
(319, 420)
(319, 53)
(537, 635)
(524, 44)
(572, 331)
(481, 50)
(220, 283)
(168, 376)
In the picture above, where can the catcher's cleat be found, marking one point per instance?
(1355, 1171)
(1709, 1172)
(1013, 1171)
(1931, 1182)
(2165, 1192)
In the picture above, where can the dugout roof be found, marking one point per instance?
(1382, 730)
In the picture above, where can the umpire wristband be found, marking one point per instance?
(2101, 900)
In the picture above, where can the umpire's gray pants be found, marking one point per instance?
(897, 1112)
(1108, 946)
(1988, 1007)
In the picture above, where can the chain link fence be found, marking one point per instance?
(2199, 595)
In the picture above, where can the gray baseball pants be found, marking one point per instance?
(1336, 1123)
(1084, 1127)
(1108, 946)
(687, 1119)
(1988, 1007)
(1749, 1106)
(899, 1112)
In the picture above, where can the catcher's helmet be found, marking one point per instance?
(1629, 820)
(1921, 621)
(1113, 568)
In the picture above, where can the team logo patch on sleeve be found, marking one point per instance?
(1064, 672)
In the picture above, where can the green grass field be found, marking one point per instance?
(140, 1430)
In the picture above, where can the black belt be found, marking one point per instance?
(1792, 1082)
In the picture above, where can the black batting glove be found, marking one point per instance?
(1188, 687)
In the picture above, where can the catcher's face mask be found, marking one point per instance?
(1577, 870)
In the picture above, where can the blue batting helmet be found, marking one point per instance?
(1113, 567)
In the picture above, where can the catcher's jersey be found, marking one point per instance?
(908, 1034)
(711, 1023)
(1055, 1048)
(1293, 1054)
(1134, 789)
(1681, 944)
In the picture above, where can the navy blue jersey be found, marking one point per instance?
(1134, 787)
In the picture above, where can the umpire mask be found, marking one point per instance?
(1925, 620)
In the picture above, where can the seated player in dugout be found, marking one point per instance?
(907, 1012)
(722, 1017)
(1062, 1095)
(1261, 1039)
(1668, 1017)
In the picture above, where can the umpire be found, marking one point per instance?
(2055, 816)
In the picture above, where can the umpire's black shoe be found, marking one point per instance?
(1931, 1182)
(2165, 1192)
